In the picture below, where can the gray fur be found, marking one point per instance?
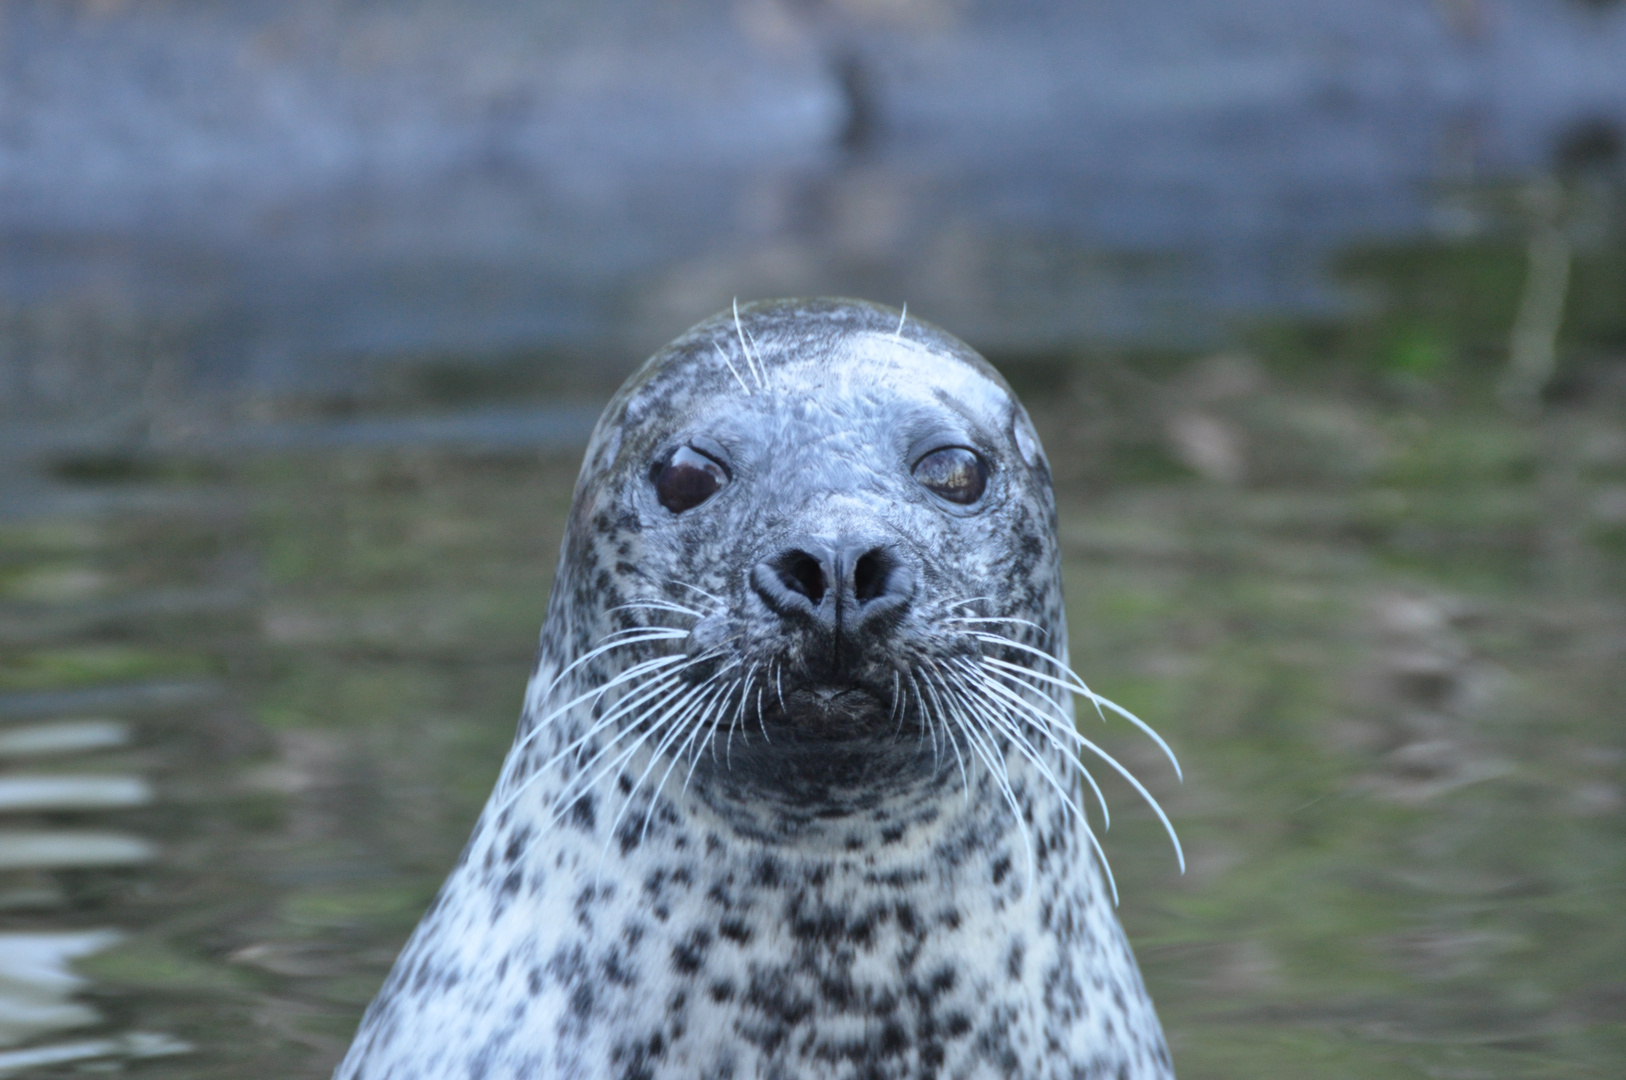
(832, 887)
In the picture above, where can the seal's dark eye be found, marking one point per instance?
(687, 479)
(954, 473)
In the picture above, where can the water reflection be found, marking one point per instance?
(37, 985)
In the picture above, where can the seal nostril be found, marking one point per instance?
(802, 574)
(870, 575)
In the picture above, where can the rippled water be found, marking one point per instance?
(254, 694)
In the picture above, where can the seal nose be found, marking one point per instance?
(843, 587)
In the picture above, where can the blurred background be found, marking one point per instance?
(307, 307)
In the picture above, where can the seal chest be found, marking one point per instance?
(796, 792)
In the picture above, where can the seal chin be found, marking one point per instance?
(836, 713)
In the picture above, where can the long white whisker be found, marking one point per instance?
(635, 635)
(985, 746)
(739, 329)
(1089, 833)
(716, 722)
(662, 690)
(696, 723)
(637, 670)
(1111, 761)
(658, 605)
(1006, 724)
(1050, 726)
(990, 619)
(954, 744)
(655, 695)
(928, 727)
(669, 724)
(739, 716)
(897, 686)
(693, 588)
(731, 369)
(1076, 686)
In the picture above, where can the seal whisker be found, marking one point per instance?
(1077, 814)
(713, 597)
(661, 691)
(739, 328)
(731, 369)
(739, 716)
(896, 334)
(546, 722)
(927, 727)
(971, 720)
(1117, 767)
(1072, 753)
(695, 721)
(631, 674)
(1052, 727)
(897, 683)
(629, 636)
(1077, 686)
(995, 619)
(721, 709)
(1005, 724)
(659, 605)
(651, 695)
(948, 734)
(669, 725)
(1083, 743)
(656, 695)
(684, 721)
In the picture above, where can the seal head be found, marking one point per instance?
(796, 790)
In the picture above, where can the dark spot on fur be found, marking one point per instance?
(516, 846)
(1013, 961)
(689, 954)
(581, 813)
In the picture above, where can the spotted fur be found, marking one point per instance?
(781, 880)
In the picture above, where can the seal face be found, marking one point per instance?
(793, 795)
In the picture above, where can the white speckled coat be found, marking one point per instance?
(795, 839)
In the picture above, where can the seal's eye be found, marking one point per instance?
(953, 473)
(687, 479)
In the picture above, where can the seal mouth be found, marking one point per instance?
(833, 712)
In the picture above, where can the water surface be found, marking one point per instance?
(254, 691)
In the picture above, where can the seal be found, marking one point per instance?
(797, 788)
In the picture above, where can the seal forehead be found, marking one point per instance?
(866, 362)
